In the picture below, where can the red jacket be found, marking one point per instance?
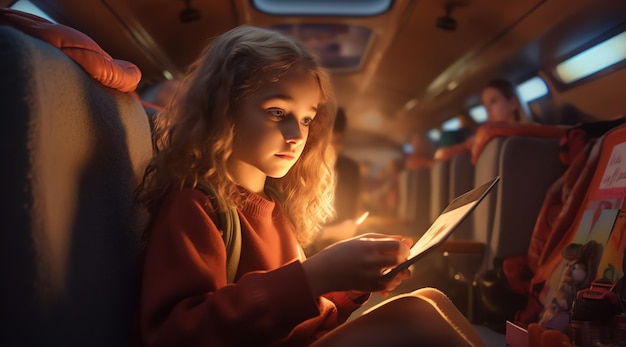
(186, 301)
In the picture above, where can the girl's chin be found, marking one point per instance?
(277, 175)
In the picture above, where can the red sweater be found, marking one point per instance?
(186, 301)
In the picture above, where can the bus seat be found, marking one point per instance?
(526, 157)
(461, 181)
(74, 151)
(414, 199)
(450, 176)
(522, 191)
(439, 188)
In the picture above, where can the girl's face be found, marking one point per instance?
(272, 126)
(499, 108)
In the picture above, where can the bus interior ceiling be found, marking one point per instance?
(414, 75)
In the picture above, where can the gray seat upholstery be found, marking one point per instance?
(414, 202)
(450, 179)
(439, 188)
(462, 181)
(74, 151)
(527, 166)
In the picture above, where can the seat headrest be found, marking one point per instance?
(114, 73)
(446, 153)
(70, 239)
(489, 130)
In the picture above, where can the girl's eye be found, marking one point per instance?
(307, 121)
(276, 113)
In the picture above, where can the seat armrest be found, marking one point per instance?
(462, 246)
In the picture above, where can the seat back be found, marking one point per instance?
(414, 199)
(527, 166)
(439, 188)
(461, 182)
(74, 151)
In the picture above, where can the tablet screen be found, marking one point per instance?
(445, 224)
(440, 229)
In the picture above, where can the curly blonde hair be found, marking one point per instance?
(194, 135)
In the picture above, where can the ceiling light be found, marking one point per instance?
(408, 106)
(446, 22)
(189, 14)
(452, 85)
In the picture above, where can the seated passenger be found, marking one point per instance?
(502, 105)
(422, 150)
(253, 119)
(501, 102)
(454, 142)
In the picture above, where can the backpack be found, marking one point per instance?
(230, 228)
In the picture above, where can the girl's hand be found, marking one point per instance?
(357, 264)
(395, 281)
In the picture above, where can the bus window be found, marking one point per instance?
(593, 60)
(478, 113)
(29, 7)
(532, 89)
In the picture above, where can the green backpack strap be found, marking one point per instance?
(230, 227)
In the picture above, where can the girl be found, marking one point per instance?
(253, 119)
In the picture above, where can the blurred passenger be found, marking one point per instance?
(455, 142)
(422, 150)
(502, 105)
(253, 121)
(501, 102)
(467, 129)
(384, 189)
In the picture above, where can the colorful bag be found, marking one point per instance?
(580, 250)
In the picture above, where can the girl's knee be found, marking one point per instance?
(429, 292)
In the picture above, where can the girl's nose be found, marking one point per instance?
(291, 131)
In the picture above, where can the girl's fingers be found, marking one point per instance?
(381, 236)
(408, 241)
(395, 282)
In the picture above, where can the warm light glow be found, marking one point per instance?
(372, 119)
(594, 59)
(168, 75)
(408, 106)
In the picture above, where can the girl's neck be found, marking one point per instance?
(249, 177)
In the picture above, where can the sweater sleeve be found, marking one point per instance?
(185, 298)
(345, 305)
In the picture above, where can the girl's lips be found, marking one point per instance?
(285, 156)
